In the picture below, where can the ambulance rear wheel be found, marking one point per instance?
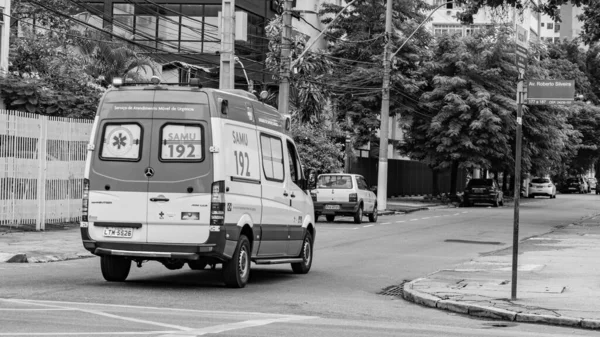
(306, 254)
(236, 271)
(115, 268)
(330, 217)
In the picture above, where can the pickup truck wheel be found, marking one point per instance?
(236, 271)
(358, 215)
(330, 218)
(115, 268)
(373, 216)
(306, 254)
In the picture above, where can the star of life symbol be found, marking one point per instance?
(161, 215)
(120, 142)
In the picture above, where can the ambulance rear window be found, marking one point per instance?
(181, 142)
(121, 142)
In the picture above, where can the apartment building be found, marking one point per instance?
(568, 28)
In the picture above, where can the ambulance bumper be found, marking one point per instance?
(218, 246)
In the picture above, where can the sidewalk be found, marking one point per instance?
(558, 281)
(411, 204)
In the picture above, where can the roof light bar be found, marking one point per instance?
(117, 82)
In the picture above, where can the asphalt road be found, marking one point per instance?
(337, 298)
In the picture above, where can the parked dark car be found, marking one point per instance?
(574, 185)
(483, 191)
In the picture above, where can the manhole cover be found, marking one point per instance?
(395, 290)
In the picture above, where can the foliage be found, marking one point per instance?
(47, 79)
(57, 25)
(356, 43)
(317, 148)
(471, 88)
(105, 59)
(308, 89)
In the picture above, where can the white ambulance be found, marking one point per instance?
(187, 175)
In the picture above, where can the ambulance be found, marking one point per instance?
(194, 176)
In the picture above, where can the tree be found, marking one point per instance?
(308, 90)
(356, 44)
(316, 148)
(471, 90)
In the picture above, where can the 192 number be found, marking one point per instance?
(180, 149)
(242, 162)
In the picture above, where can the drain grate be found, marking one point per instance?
(395, 290)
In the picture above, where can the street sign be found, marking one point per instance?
(553, 92)
(522, 46)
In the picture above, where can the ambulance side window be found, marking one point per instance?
(272, 157)
(294, 163)
(121, 142)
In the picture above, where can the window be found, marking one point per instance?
(334, 182)
(175, 28)
(439, 30)
(181, 142)
(557, 27)
(272, 157)
(121, 142)
(542, 24)
(295, 171)
(362, 184)
(550, 26)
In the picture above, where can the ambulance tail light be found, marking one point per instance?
(313, 195)
(217, 205)
(85, 200)
(353, 197)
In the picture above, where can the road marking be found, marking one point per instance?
(100, 313)
(465, 212)
(386, 223)
(400, 221)
(413, 219)
(456, 214)
(437, 216)
(235, 326)
(425, 218)
(368, 226)
(262, 319)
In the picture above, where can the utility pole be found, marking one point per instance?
(227, 63)
(286, 52)
(385, 114)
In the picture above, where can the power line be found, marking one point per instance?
(338, 38)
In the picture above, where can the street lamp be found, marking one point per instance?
(250, 82)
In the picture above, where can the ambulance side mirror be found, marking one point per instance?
(224, 106)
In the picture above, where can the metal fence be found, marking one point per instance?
(407, 177)
(42, 160)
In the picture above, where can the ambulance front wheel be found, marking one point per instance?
(115, 268)
(236, 271)
(306, 254)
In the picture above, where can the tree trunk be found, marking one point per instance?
(453, 178)
(505, 181)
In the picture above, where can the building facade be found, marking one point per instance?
(184, 35)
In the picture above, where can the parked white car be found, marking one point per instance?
(344, 194)
(542, 187)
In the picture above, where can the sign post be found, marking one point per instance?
(521, 57)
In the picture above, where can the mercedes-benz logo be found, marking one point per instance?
(149, 172)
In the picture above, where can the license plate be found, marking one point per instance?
(478, 190)
(118, 232)
(332, 206)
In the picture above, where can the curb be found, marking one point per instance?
(22, 258)
(428, 300)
